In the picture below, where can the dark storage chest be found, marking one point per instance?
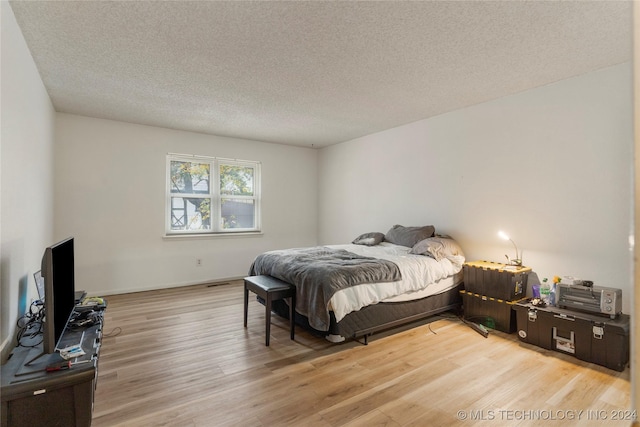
(491, 312)
(592, 338)
(496, 280)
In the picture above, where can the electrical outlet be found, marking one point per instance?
(198, 262)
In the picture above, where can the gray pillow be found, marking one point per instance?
(408, 236)
(369, 239)
(437, 248)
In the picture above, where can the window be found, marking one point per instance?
(208, 195)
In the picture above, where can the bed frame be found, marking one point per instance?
(378, 317)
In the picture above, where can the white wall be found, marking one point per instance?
(110, 195)
(551, 166)
(26, 175)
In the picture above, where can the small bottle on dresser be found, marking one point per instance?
(545, 289)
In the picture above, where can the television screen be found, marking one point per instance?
(58, 272)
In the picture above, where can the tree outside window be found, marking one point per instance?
(196, 207)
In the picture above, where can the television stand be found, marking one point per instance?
(32, 396)
(33, 359)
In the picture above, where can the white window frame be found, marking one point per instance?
(214, 195)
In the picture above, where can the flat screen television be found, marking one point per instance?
(58, 272)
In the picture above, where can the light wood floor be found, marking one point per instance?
(181, 357)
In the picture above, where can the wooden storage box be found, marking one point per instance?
(496, 280)
(592, 338)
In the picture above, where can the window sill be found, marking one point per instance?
(212, 235)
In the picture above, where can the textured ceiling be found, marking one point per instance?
(306, 73)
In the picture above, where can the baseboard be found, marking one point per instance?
(7, 346)
(170, 286)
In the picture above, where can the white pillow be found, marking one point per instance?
(437, 248)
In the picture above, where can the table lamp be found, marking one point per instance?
(518, 259)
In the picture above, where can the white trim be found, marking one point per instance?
(223, 159)
(7, 341)
(216, 220)
(169, 286)
(213, 235)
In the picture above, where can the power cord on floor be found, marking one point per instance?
(478, 327)
(442, 316)
(114, 332)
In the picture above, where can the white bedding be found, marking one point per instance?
(421, 276)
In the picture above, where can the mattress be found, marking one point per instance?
(422, 276)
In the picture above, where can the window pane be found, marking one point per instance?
(238, 213)
(190, 213)
(192, 178)
(236, 180)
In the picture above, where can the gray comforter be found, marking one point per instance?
(319, 272)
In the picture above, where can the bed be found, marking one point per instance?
(376, 282)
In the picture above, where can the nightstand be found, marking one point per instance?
(491, 290)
